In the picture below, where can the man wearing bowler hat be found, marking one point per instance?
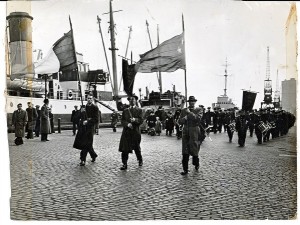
(131, 134)
(190, 118)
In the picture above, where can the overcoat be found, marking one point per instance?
(131, 138)
(85, 135)
(19, 120)
(190, 118)
(45, 121)
(32, 115)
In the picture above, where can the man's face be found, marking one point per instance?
(19, 107)
(192, 104)
(90, 99)
(76, 108)
(132, 101)
(29, 105)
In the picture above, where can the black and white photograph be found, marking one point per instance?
(149, 110)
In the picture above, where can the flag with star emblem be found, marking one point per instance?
(166, 57)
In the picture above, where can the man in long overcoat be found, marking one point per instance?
(190, 118)
(131, 135)
(90, 118)
(32, 115)
(45, 121)
(19, 120)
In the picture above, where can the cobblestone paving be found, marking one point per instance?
(254, 182)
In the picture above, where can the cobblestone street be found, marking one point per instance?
(254, 182)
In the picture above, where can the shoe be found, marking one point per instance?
(124, 167)
(94, 159)
(184, 172)
(47, 140)
(196, 167)
(140, 163)
(82, 163)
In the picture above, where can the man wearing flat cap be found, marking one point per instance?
(131, 134)
(190, 118)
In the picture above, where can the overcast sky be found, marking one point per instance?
(214, 30)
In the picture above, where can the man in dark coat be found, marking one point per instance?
(32, 115)
(19, 120)
(131, 135)
(37, 121)
(45, 121)
(169, 124)
(190, 118)
(75, 117)
(241, 127)
(89, 117)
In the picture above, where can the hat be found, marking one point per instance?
(192, 99)
(75, 106)
(202, 106)
(37, 106)
(208, 107)
(136, 97)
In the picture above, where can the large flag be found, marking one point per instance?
(61, 57)
(248, 100)
(166, 57)
(128, 74)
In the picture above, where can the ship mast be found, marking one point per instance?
(113, 52)
(225, 75)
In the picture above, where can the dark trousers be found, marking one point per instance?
(251, 129)
(84, 153)
(52, 126)
(29, 134)
(185, 161)
(44, 137)
(258, 135)
(230, 134)
(37, 129)
(75, 127)
(125, 156)
(242, 137)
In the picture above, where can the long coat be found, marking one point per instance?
(32, 115)
(19, 120)
(131, 138)
(85, 135)
(191, 136)
(45, 121)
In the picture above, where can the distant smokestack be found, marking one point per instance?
(20, 44)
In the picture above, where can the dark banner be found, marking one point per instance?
(128, 74)
(248, 100)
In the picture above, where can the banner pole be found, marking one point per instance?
(185, 63)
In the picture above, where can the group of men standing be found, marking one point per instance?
(31, 119)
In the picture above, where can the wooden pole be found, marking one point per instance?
(185, 65)
(78, 77)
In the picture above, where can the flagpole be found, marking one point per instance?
(159, 73)
(78, 77)
(185, 63)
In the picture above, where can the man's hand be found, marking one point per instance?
(85, 122)
(129, 125)
(132, 119)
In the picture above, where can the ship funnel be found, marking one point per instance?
(20, 45)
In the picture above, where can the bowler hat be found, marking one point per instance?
(136, 97)
(192, 99)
